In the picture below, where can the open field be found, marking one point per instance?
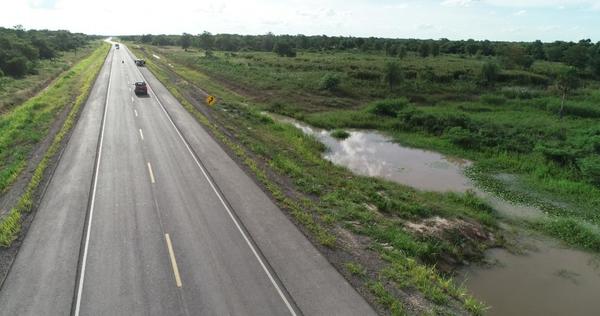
(510, 127)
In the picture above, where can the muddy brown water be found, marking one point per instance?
(546, 279)
(370, 153)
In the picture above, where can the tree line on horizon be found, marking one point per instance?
(582, 55)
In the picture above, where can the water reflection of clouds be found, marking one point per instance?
(373, 154)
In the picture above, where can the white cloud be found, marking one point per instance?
(455, 19)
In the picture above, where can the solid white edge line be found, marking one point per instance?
(151, 173)
(212, 185)
(173, 261)
(141, 134)
(91, 215)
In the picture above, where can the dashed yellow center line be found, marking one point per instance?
(141, 134)
(151, 173)
(173, 261)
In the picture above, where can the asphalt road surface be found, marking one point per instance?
(147, 215)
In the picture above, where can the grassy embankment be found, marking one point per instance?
(512, 127)
(27, 124)
(14, 91)
(330, 203)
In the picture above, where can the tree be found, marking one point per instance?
(577, 56)
(146, 38)
(516, 55)
(16, 66)
(555, 51)
(435, 49)
(566, 82)
(536, 50)
(471, 47)
(392, 74)
(402, 51)
(206, 40)
(268, 42)
(42, 45)
(284, 48)
(186, 41)
(424, 49)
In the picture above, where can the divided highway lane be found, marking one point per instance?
(174, 228)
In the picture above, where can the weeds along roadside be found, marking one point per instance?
(29, 123)
(329, 203)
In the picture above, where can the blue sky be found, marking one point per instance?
(515, 20)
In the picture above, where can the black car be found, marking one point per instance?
(141, 88)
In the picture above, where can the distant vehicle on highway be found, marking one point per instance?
(117, 45)
(140, 62)
(140, 88)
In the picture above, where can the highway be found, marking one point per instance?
(147, 215)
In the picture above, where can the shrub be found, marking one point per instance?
(388, 107)
(489, 73)
(560, 152)
(392, 74)
(590, 168)
(340, 134)
(330, 82)
(493, 99)
(574, 109)
(523, 77)
(16, 66)
(462, 137)
(284, 49)
(573, 232)
(365, 75)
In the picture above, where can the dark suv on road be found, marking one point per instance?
(141, 88)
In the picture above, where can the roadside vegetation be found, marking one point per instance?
(525, 113)
(24, 126)
(31, 59)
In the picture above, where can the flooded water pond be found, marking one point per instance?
(546, 280)
(372, 154)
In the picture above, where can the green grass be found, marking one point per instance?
(329, 196)
(512, 127)
(573, 231)
(356, 269)
(25, 125)
(385, 298)
(340, 134)
(29, 123)
(15, 91)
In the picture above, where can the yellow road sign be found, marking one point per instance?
(210, 100)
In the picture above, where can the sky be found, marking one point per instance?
(510, 20)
